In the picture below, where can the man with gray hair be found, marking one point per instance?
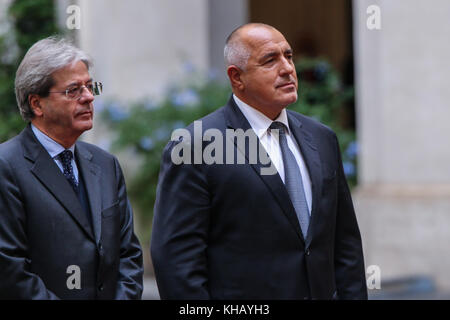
(227, 231)
(66, 225)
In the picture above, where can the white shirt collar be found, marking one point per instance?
(53, 148)
(259, 122)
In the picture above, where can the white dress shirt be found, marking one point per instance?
(54, 149)
(260, 125)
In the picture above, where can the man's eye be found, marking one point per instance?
(72, 90)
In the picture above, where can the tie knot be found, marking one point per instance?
(66, 156)
(278, 126)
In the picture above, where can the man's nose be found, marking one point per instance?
(287, 66)
(86, 95)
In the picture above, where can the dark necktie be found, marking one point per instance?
(66, 158)
(293, 179)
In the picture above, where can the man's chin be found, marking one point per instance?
(85, 126)
(291, 99)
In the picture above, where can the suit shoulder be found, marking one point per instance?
(11, 149)
(11, 156)
(96, 151)
(214, 120)
(312, 124)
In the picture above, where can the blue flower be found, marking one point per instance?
(349, 169)
(188, 67)
(161, 133)
(178, 124)
(213, 74)
(117, 112)
(186, 97)
(149, 105)
(321, 70)
(146, 143)
(352, 150)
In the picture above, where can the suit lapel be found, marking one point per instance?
(91, 175)
(311, 156)
(48, 173)
(236, 120)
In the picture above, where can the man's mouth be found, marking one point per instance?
(84, 113)
(287, 84)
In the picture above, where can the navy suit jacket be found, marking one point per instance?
(224, 231)
(44, 229)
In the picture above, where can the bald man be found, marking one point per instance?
(227, 229)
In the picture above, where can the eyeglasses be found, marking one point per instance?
(74, 93)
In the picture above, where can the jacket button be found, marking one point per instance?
(100, 287)
(100, 246)
(307, 252)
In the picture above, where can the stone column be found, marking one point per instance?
(403, 112)
(140, 46)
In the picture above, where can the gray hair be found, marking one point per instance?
(34, 75)
(236, 52)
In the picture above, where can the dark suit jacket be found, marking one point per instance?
(227, 232)
(44, 230)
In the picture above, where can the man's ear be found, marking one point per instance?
(35, 103)
(235, 76)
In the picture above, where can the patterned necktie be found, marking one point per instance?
(66, 158)
(293, 179)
